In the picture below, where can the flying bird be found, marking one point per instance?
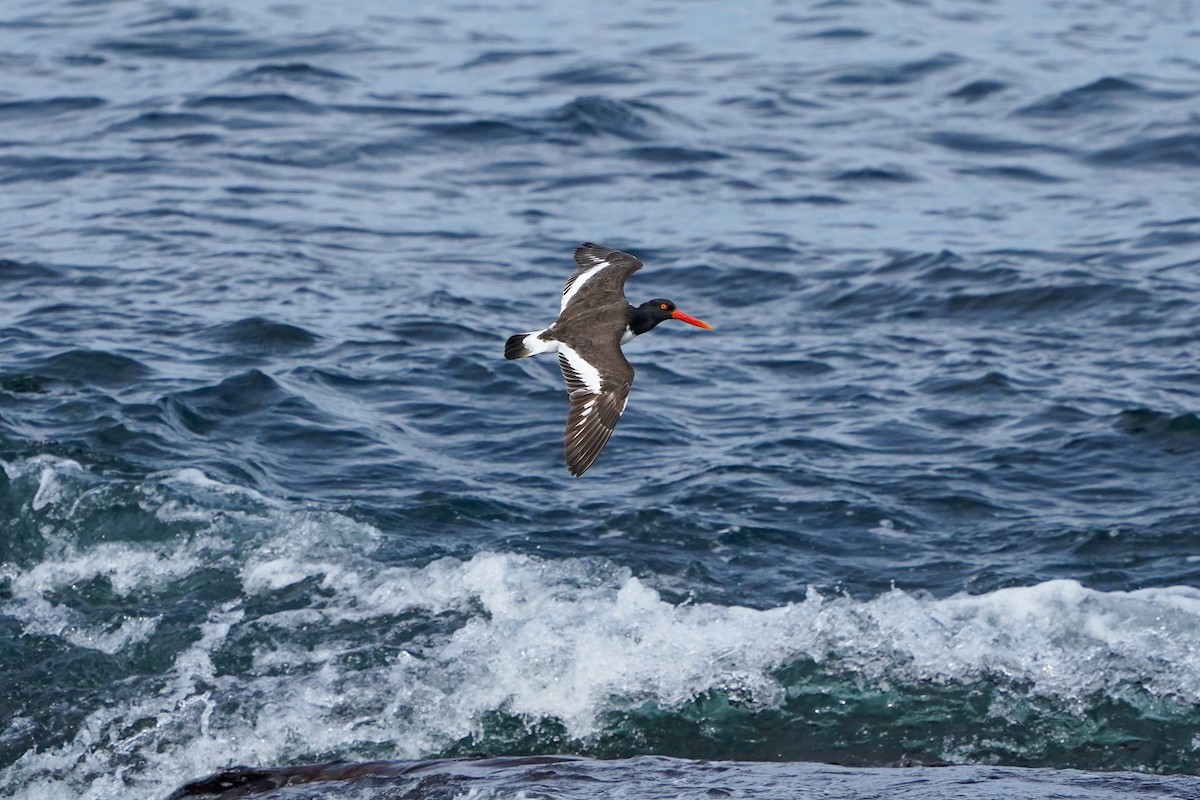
(594, 321)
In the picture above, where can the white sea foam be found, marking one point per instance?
(570, 641)
(49, 470)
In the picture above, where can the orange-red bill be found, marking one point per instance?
(690, 320)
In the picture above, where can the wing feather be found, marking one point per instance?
(596, 406)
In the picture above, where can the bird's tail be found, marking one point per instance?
(523, 345)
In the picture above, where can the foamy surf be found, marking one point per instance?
(298, 642)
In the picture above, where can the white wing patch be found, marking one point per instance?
(534, 343)
(588, 375)
(574, 285)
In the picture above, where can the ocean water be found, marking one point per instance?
(919, 518)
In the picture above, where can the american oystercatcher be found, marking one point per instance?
(594, 321)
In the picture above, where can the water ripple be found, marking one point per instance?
(1101, 96)
(48, 107)
(205, 43)
(258, 103)
(1182, 150)
(299, 73)
(899, 73)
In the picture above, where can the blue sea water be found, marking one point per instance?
(918, 519)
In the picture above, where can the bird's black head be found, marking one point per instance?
(660, 309)
(650, 313)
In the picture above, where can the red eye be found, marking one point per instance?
(664, 306)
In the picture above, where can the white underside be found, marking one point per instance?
(537, 345)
